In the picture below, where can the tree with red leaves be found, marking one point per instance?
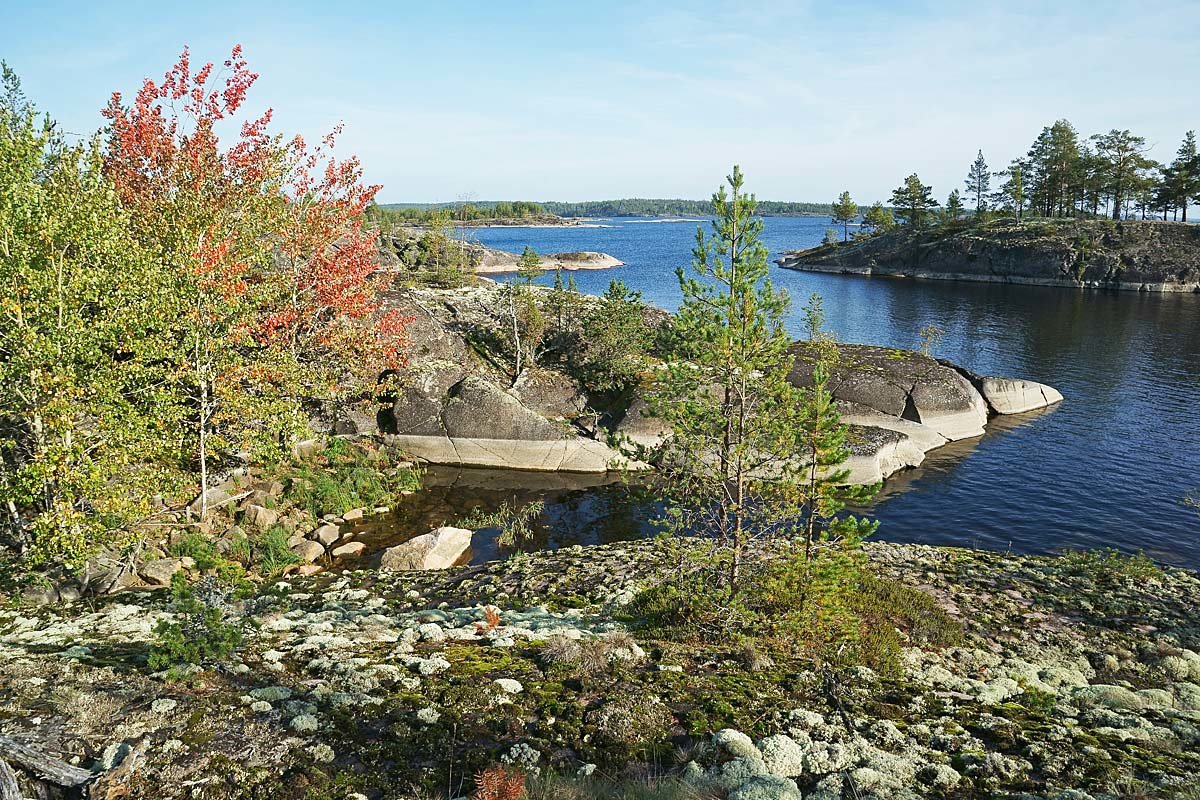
(271, 289)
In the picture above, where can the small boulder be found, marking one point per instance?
(1014, 396)
(349, 550)
(438, 549)
(216, 496)
(353, 514)
(308, 551)
(326, 534)
(160, 571)
(261, 517)
(39, 595)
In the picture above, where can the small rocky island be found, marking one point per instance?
(401, 251)
(1144, 256)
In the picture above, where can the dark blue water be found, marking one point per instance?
(1108, 467)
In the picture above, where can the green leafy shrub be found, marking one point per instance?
(345, 476)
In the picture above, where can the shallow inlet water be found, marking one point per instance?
(1108, 467)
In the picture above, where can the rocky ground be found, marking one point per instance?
(1133, 255)
(1069, 677)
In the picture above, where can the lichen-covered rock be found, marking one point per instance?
(1114, 697)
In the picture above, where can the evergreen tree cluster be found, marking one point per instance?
(1106, 174)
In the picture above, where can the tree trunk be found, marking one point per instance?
(512, 310)
(55, 770)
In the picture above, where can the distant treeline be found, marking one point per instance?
(475, 211)
(643, 207)
(421, 213)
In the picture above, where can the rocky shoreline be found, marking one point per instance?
(1056, 677)
(459, 409)
(1143, 256)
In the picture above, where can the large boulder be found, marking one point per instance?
(900, 383)
(480, 424)
(877, 452)
(438, 549)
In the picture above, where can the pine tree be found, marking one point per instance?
(914, 200)
(529, 265)
(735, 461)
(1184, 174)
(1011, 194)
(844, 212)
(1052, 170)
(878, 219)
(954, 207)
(825, 493)
(1123, 163)
(725, 394)
(979, 181)
(615, 340)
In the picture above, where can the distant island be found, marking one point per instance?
(1134, 255)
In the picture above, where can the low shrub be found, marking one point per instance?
(200, 636)
(1109, 565)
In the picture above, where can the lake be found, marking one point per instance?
(1106, 468)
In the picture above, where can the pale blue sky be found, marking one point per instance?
(572, 101)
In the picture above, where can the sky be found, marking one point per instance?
(544, 100)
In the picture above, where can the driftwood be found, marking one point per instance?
(9, 790)
(43, 766)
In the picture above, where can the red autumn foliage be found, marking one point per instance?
(499, 782)
(225, 207)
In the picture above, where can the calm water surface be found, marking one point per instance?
(1108, 467)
